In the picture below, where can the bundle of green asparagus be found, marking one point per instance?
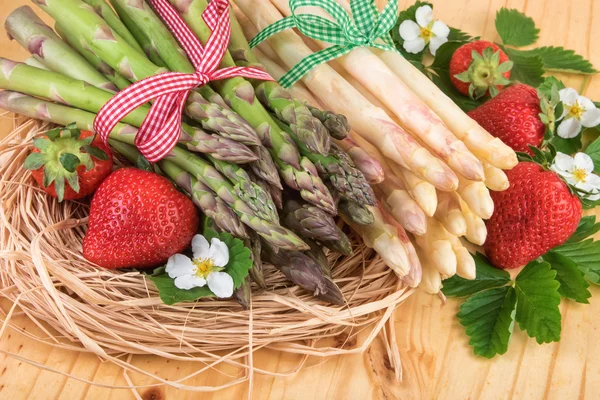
(238, 139)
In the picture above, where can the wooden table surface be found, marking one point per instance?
(437, 362)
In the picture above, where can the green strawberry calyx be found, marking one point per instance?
(61, 152)
(551, 110)
(485, 73)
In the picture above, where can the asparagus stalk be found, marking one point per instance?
(357, 213)
(318, 255)
(96, 62)
(256, 272)
(306, 273)
(84, 22)
(312, 223)
(243, 294)
(309, 129)
(102, 8)
(39, 39)
(200, 169)
(369, 166)
(50, 85)
(33, 62)
(298, 172)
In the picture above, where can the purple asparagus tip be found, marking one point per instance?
(36, 46)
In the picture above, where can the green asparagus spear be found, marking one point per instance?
(337, 124)
(256, 272)
(318, 255)
(243, 294)
(96, 62)
(355, 212)
(45, 46)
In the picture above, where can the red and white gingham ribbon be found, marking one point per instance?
(162, 127)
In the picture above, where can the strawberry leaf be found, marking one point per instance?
(443, 82)
(34, 161)
(489, 319)
(546, 86)
(487, 277)
(567, 146)
(559, 59)
(526, 69)
(516, 28)
(572, 282)
(587, 227)
(456, 35)
(586, 254)
(593, 150)
(538, 299)
(171, 294)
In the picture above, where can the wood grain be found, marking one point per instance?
(437, 362)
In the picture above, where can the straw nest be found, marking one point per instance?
(111, 313)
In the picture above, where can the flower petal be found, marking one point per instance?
(569, 128)
(188, 282)
(424, 15)
(200, 247)
(594, 181)
(221, 284)
(435, 44)
(409, 30)
(563, 162)
(583, 161)
(586, 103)
(591, 117)
(593, 197)
(414, 46)
(440, 29)
(568, 96)
(179, 265)
(219, 252)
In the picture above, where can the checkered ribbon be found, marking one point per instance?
(366, 28)
(162, 127)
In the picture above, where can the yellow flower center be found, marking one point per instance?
(426, 33)
(575, 111)
(203, 267)
(580, 175)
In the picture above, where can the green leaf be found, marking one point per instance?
(546, 85)
(586, 255)
(69, 161)
(538, 299)
(572, 282)
(487, 277)
(34, 161)
(240, 260)
(567, 146)
(559, 59)
(456, 35)
(73, 181)
(515, 28)
(96, 152)
(443, 56)
(587, 227)
(41, 144)
(54, 133)
(593, 150)
(408, 14)
(59, 188)
(489, 319)
(526, 69)
(171, 294)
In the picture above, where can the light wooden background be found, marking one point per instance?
(437, 362)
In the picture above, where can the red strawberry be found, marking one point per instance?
(538, 212)
(513, 117)
(138, 219)
(67, 164)
(478, 68)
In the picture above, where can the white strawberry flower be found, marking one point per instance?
(205, 268)
(578, 111)
(579, 172)
(426, 30)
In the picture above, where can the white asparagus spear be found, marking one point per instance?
(465, 264)
(495, 178)
(401, 206)
(431, 281)
(383, 238)
(476, 229)
(450, 214)
(250, 31)
(369, 166)
(438, 247)
(423, 192)
(477, 196)
(412, 112)
(339, 96)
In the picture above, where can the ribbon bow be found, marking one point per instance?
(162, 127)
(366, 28)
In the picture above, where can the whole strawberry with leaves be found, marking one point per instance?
(518, 116)
(138, 219)
(68, 163)
(479, 68)
(538, 212)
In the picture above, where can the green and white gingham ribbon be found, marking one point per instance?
(366, 27)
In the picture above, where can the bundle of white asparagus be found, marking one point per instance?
(431, 165)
